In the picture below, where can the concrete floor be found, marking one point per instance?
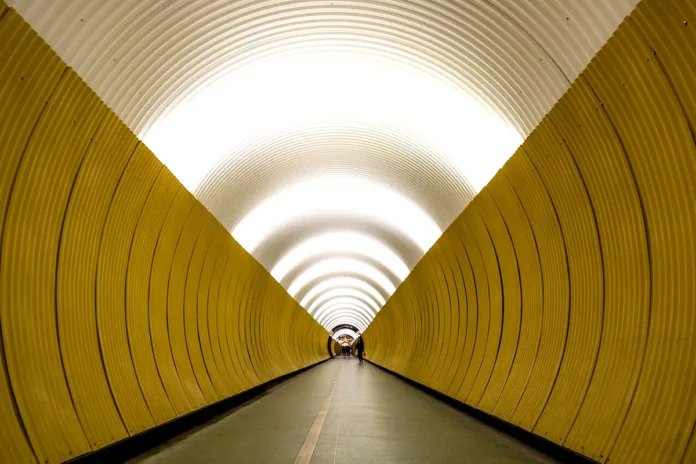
(373, 417)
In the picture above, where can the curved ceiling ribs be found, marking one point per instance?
(336, 140)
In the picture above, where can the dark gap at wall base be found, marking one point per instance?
(143, 442)
(547, 447)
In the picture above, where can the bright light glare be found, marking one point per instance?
(332, 304)
(288, 92)
(347, 265)
(342, 332)
(345, 320)
(339, 292)
(349, 196)
(346, 311)
(342, 282)
(336, 243)
(357, 309)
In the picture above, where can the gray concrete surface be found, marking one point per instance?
(374, 417)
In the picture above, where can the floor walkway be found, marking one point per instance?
(341, 412)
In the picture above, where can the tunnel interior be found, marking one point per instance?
(498, 198)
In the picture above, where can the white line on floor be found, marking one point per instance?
(307, 450)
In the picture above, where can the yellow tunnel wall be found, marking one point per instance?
(124, 304)
(563, 299)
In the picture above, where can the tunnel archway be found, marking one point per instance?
(498, 196)
(337, 332)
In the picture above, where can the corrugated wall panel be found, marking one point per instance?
(106, 159)
(481, 327)
(495, 302)
(159, 301)
(543, 218)
(28, 271)
(666, 184)
(529, 275)
(559, 173)
(621, 232)
(152, 215)
(25, 88)
(508, 293)
(112, 273)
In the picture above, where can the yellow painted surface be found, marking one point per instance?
(87, 210)
(28, 271)
(25, 86)
(123, 302)
(591, 226)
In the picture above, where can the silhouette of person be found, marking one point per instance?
(360, 348)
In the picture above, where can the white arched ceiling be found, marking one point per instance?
(340, 242)
(349, 303)
(328, 285)
(327, 321)
(328, 194)
(336, 139)
(298, 231)
(345, 292)
(360, 311)
(331, 267)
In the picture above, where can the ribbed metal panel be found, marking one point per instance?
(142, 56)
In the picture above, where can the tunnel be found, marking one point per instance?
(492, 201)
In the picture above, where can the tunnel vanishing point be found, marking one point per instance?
(498, 195)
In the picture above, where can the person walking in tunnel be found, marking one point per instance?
(360, 348)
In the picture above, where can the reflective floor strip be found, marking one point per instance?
(307, 450)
